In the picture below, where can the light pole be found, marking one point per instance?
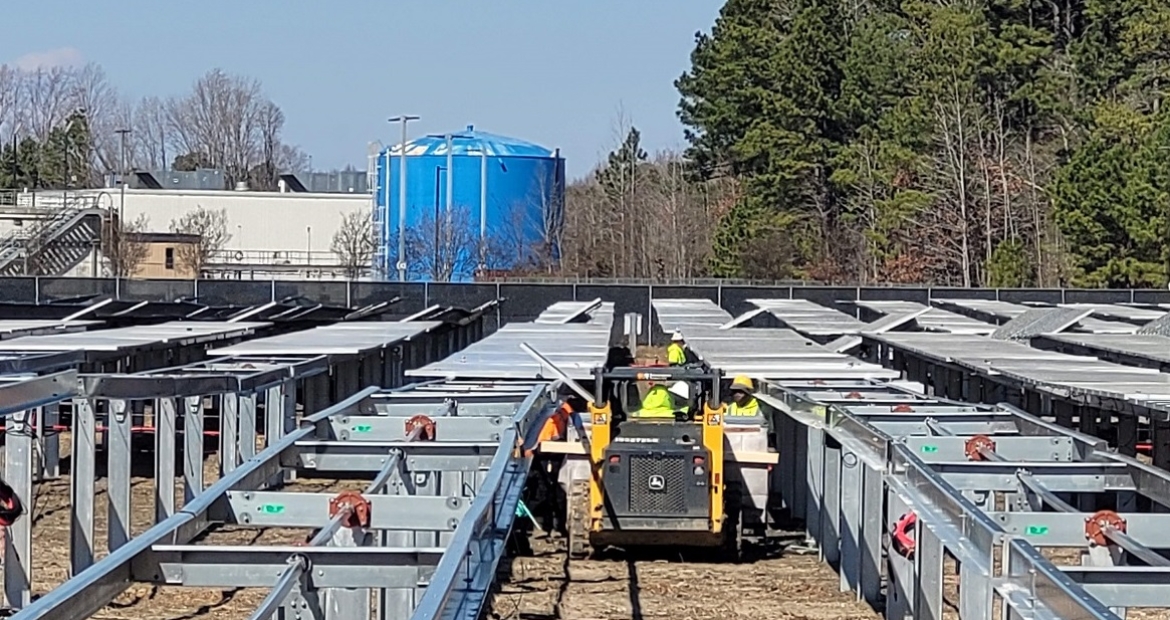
(435, 266)
(450, 179)
(404, 119)
(122, 133)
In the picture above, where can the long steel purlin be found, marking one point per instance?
(460, 584)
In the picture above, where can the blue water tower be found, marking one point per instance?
(497, 202)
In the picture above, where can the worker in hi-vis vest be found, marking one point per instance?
(662, 402)
(676, 351)
(745, 408)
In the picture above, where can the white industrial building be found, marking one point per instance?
(273, 234)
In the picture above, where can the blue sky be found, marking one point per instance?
(555, 73)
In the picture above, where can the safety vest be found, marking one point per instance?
(676, 355)
(556, 427)
(750, 408)
(658, 403)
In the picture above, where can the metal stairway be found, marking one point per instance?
(55, 244)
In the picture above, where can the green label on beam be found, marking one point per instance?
(1036, 530)
(363, 428)
(929, 449)
(272, 509)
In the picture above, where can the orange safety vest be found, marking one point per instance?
(556, 427)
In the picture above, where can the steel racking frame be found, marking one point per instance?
(970, 482)
(932, 320)
(230, 391)
(864, 460)
(445, 439)
(1095, 396)
(23, 399)
(428, 531)
(140, 347)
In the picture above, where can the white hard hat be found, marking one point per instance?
(677, 337)
(681, 389)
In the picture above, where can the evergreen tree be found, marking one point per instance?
(61, 161)
(1112, 200)
(618, 177)
(760, 102)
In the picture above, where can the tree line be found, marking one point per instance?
(997, 143)
(641, 216)
(68, 127)
(970, 143)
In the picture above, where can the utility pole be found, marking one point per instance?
(404, 119)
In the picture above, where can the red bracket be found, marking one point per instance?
(903, 539)
(357, 506)
(853, 395)
(976, 445)
(428, 427)
(902, 409)
(11, 507)
(1096, 525)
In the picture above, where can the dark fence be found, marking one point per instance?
(523, 301)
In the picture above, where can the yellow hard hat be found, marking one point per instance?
(743, 382)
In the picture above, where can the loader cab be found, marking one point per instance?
(631, 391)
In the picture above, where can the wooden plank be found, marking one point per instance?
(746, 458)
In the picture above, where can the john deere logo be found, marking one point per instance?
(656, 483)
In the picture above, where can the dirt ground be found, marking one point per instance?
(543, 587)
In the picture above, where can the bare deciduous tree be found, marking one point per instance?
(93, 94)
(47, 100)
(149, 138)
(225, 121)
(447, 247)
(211, 228)
(354, 242)
(228, 120)
(9, 102)
(646, 220)
(123, 247)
